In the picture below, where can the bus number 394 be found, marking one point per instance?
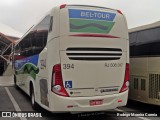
(68, 66)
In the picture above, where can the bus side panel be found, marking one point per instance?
(138, 73)
(153, 80)
(145, 80)
(41, 82)
(25, 70)
(53, 57)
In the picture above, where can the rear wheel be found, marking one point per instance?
(32, 95)
(15, 81)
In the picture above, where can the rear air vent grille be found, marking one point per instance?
(94, 53)
(136, 83)
(143, 84)
(154, 86)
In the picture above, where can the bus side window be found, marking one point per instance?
(35, 41)
(41, 35)
(132, 40)
(27, 46)
(51, 24)
(147, 42)
(17, 52)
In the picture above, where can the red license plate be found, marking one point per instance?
(96, 102)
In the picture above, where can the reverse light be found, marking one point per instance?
(126, 79)
(57, 82)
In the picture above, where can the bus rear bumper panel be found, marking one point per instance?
(82, 104)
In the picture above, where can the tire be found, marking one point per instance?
(15, 81)
(32, 97)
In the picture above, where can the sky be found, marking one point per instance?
(22, 14)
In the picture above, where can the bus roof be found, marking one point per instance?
(145, 27)
(76, 5)
(91, 6)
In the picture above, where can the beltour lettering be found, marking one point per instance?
(95, 15)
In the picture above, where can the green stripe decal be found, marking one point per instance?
(90, 26)
(29, 69)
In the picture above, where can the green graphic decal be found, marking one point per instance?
(90, 26)
(29, 69)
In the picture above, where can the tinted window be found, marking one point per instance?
(24, 47)
(132, 40)
(51, 23)
(148, 36)
(147, 43)
(17, 51)
(41, 35)
(35, 41)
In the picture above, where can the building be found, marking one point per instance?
(8, 37)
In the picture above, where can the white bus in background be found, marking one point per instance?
(75, 59)
(145, 63)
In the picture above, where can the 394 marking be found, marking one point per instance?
(68, 66)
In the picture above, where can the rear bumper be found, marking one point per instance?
(82, 104)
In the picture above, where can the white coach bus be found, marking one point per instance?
(75, 59)
(145, 63)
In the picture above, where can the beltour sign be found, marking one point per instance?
(89, 14)
(90, 21)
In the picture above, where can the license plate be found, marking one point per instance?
(96, 102)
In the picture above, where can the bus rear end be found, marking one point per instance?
(92, 74)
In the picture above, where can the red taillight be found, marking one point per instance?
(126, 79)
(127, 72)
(62, 6)
(119, 101)
(57, 82)
(57, 68)
(119, 11)
(70, 106)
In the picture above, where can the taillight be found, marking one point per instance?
(126, 79)
(57, 82)
(62, 6)
(119, 11)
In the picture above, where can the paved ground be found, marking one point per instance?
(6, 81)
(12, 100)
